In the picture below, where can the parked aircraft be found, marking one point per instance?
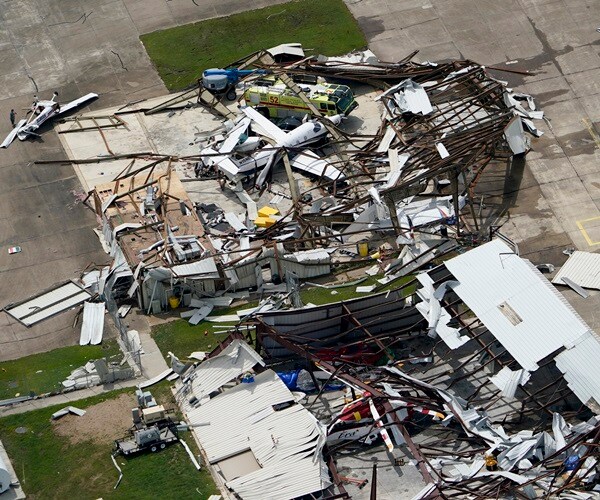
(40, 112)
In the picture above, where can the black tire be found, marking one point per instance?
(263, 110)
(163, 446)
(231, 95)
(153, 449)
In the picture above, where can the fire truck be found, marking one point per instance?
(278, 101)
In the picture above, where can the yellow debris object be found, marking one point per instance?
(264, 221)
(267, 211)
(363, 248)
(376, 255)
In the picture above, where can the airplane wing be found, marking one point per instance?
(267, 126)
(223, 163)
(234, 136)
(13, 133)
(77, 102)
(310, 163)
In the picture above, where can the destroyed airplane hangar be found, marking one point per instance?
(457, 368)
(346, 196)
(489, 394)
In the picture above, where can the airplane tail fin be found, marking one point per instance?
(265, 171)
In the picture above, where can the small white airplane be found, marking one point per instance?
(264, 158)
(40, 112)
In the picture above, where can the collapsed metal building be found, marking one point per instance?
(402, 190)
(476, 369)
(477, 359)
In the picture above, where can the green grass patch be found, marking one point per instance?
(181, 338)
(50, 466)
(42, 373)
(319, 296)
(181, 54)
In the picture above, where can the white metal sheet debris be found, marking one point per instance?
(442, 150)
(237, 358)
(8, 478)
(198, 355)
(47, 304)
(580, 367)
(508, 380)
(235, 222)
(575, 287)
(124, 310)
(200, 314)
(90, 280)
(515, 137)
(582, 268)
(205, 267)
(190, 454)
(389, 135)
(289, 49)
(410, 96)
(314, 255)
(224, 301)
(134, 340)
(92, 325)
(69, 409)
(156, 379)
(436, 315)
(225, 318)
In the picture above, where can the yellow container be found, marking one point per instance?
(363, 248)
(264, 221)
(174, 302)
(267, 211)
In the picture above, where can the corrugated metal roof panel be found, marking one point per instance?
(314, 255)
(204, 266)
(92, 324)
(286, 443)
(581, 369)
(515, 302)
(236, 359)
(48, 303)
(582, 268)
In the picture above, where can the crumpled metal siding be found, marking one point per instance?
(286, 443)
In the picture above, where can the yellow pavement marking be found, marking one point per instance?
(580, 224)
(592, 131)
